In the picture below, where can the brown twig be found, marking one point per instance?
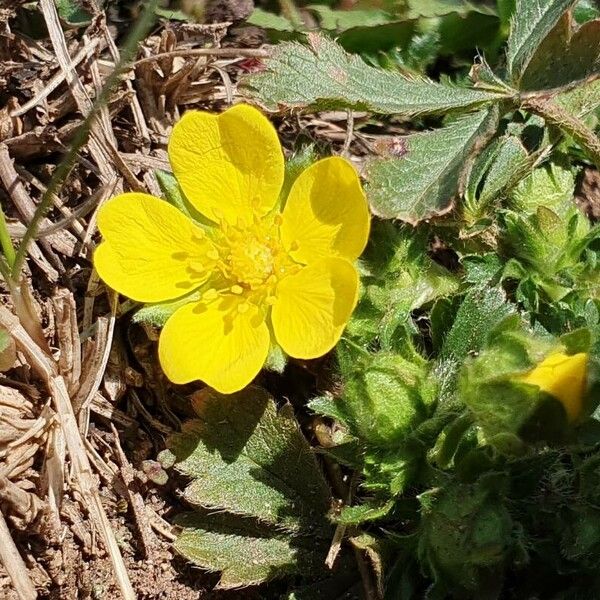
(221, 52)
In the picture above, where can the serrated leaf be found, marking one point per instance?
(582, 100)
(262, 502)
(481, 311)
(532, 21)
(247, 458)
(575, 56)
(241, 551)
(323, 75)
(551, 185)
(8, 350)
(426, 179)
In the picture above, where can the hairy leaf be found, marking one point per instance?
(425, 180)
(257, 488)
(508, 167)
(575, 56)
(582, 100)
(241, 551)
(481, 311)
(531, 23)
(323, 75)
(247, 458)
(551, 186)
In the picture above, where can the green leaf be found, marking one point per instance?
(532, 22)
(581, 100)
(551, 185)
(385, 397)
(586, 10)
(361, 513)
(238, 456)
(341, 20)
(510, 164)
(269, 20)
(440, 8)
(8, 350)
(323, 75)
(257, 486)
(242, 551)
(172, 15)
(466, 536)
(364, 31)
(482, 310)
(425, 180)
(575, 56)
(158, 314)
(71, 12)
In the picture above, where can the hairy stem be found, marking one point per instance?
(555, 115)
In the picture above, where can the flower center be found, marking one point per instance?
(251, 257)
(251, 261)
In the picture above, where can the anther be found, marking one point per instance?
(210, 295)
(212, 254)
(237, 289)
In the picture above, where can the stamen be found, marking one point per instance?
(213, 254)
(237, 289)
(210, 295)
(197, 266)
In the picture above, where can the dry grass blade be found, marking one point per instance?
(46, 369)
(14, 564)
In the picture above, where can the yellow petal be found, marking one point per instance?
(563, 377)
(326, 213)
(216, 343)
(229, 165)
(151, 251)
(313, 307)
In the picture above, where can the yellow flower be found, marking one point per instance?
(262, 273)
(564, 377)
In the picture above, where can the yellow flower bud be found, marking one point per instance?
(563, 377)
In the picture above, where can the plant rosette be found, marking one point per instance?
(263, 272)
